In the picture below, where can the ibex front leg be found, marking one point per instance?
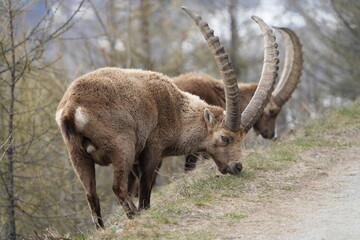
(150, 160)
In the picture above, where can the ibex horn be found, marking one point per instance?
(268, 76)
(232, 93)
(293, 65)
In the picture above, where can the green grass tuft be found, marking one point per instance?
(233, 216)
(185, 208)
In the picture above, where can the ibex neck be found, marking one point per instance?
(193, 128)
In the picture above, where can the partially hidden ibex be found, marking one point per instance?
(212, 91)
(128, 117)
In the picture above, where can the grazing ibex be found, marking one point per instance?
(212, 91)
(125, 117)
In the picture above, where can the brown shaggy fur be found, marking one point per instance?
(125, 117)
(212, 91)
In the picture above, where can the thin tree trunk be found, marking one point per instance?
(128, 38)
(146, 33)
(112, 37)
(10, 150)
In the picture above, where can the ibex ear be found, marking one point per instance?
(208, 116)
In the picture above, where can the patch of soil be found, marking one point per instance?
(318, 198)
(326, 207)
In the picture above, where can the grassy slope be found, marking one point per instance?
(206, 204)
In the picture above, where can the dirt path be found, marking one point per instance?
(324, 208)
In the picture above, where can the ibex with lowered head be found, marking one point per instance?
(125, 117)
(212, 91)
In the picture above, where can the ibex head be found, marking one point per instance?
(289, 79)
(221, 143)
(227, 130)
(266, 124)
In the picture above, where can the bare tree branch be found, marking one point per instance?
(60, 30)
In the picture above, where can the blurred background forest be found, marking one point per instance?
(45, 44)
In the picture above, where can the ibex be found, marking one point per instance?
(212, 91)
(125, 117)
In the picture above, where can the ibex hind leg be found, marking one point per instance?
(133, 181)
(85, 169)
(122, 159)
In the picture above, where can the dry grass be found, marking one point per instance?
(205, 204)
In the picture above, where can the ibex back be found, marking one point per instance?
(125, 117)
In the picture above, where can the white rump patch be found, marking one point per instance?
(224, 112)
(80, 119)
(58, 117)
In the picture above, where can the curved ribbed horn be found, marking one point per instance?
(232, 93)
(293, 65)
(266, 84)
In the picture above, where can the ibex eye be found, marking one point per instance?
(226, 139)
